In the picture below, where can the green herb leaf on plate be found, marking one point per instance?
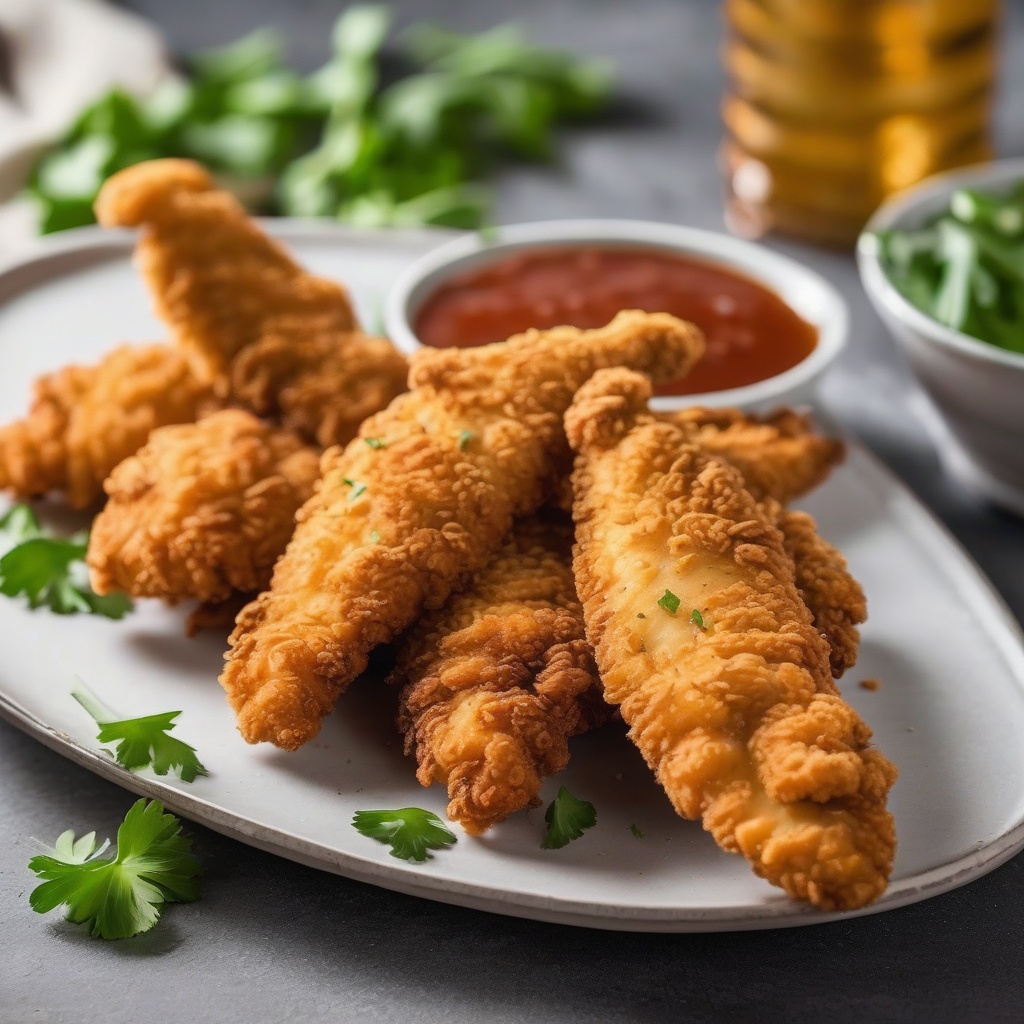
(567, 819)
(410, 831)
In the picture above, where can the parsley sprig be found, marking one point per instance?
(50, 571)
(409, 831)
(337, 143)
(120, 896)
(142, 742)
(567, 819)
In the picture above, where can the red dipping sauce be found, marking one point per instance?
(751, 333)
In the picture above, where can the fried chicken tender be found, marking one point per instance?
(84, 420)
(321, 385)
(412, 509)
(835, 599)
(497, 681)
(264, 332)
(202, 510)
(779, 455)
(736, 711)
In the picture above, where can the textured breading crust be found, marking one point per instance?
(321, 385)
(397, 525)
(496, 682)
(266, 333)
(779, 455)
(738, 717)
(835, 599)
(85, 419)
(202, 510)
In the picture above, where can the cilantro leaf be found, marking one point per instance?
(119, 896)
(142, 742)
(696, 618)
(669, 602)
(410, 831)
(50, 571)
(567, 819)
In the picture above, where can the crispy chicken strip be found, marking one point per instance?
(203, 510)
(85, 419)
(734, 710)
(497, 681)
(409, 511)
(320, 385)
(835, 599)
(779, 455)
(266, 333)
(477, 708)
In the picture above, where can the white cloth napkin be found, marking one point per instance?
(57, 56)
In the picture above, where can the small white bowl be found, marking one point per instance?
(976, 414)
(806, 292)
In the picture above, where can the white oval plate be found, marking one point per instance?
(950, 711)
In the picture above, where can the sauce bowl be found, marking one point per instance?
(805, 292)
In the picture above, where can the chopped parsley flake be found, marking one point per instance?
(375, 536)
(376, 442)
(635, 829)
(357, 487)
(697, 619)
(465, 436)
(669, 602)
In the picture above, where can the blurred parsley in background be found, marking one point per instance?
(335, 143)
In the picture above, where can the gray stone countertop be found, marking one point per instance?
(274, 941)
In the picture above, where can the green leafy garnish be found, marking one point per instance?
(50, 571)
(409, 831)
(567, 819)
(376, 442)
(337, 143)
(357, 488)
(465, 436)
(142, 742)
(965, 266)
(696, 618)
(669, 602)
(120, 896)
(635, 829)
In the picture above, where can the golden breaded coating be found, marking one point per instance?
(321, 385)
(267, 334)
(497, 681)
(733, 708)
(409, 511)
(835, 599)
(202, 511)
(85, 419)
(779, 455)
(217, 280)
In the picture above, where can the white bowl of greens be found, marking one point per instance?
(943, 265)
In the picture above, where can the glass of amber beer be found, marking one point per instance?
(833, 105)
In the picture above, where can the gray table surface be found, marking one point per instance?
(274, 941)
